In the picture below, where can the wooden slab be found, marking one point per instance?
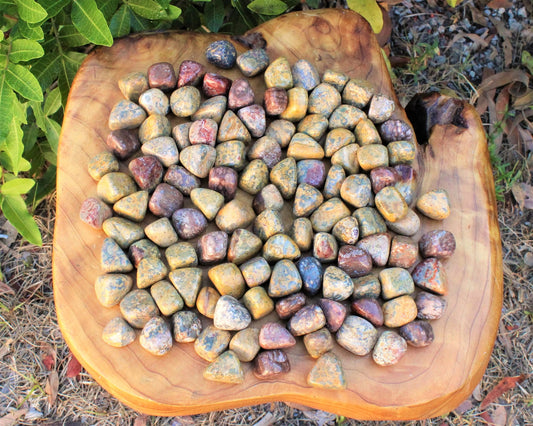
(426, 383)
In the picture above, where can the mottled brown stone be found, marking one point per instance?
(271, 363)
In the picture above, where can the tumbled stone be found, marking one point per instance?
(311, 172)
(336, 139)
(123, 143)
(161, 232)
(150, 271)
(346, 157)
(213, 108)
(165, 200)
(273, 335)
(212, 247)
(401, 152)
(366, 133)
(111, 288)
(430, 275)
(268, 198)
(231, 154)
(232, 128)
(395, 130)
(438, 243)
(114, 186)
(357, 335)
(132, 85)
(243, 246)
(230, 314)
(225, 369)
(267, 150)
(301, 232)
(181, 255)
(370, 221)
(278, 74)
(391, 204)
(325, 247)
(282, 131)
(206, 301)
(102, 164)
(328, 214)
(198, 159)
(399, 311)
(389, 349)
(381, 177)
(253, 117)
(215, 85)
(118, 333)
(285, 279)
(302, 147)
(403, 252)
(254, 177)
(297, 105)
(356, 190)
(126, 115)
(189, 223)
(408, 226)
(306, 320)
(258, 302)
(318, 342)
(186, 326)
(211, 343)
(162, 75)
(270, 364)
(346, 230)
(154, 101)
(284, 176)
(377, 246)
(253, 62)
(228, 279)
(346, 116)
(113, 259)
(154, 126)
(133, 206)
(203, 131)
(336, 284)
(280, 246)
(223, 180)
(336, 79)
(185, 101)
(407, 183)
(166, 297)
(137, 307)
(245, 344)
(182, 179)
(275, 100)
(429, 306)
(355, 261)
(187, 281)
(306, 200)
(240, 94)
(369, 309)
(142, 249)
(147, 171)
(94, 212)
(267, 224)
(305, 75)
(163, 148)
(372, 156)
(209, 202)
(327, 373)
(334, 179)
(417, 333)
(190, 73)
(357, 93)
(288, 306)
(156, 337)
(180, 133)
(367, 286)
(380, 109)
(235, 214)
(335, 313)
(255, 271)
(323, 100)
(221, 53)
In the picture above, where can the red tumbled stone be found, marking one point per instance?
(369, 309)
(190, 73)
(94, 212)
(288, 306)
(162, 76)
(203, 132)
(273, 335)
(123, 143)
(215, 85)
(224, 180)
(253, 117)
(147, 171)
(355, 261)
(381, 177)
(240, 94)
(275, 100)
(271, 363)
(438, 243)
(334, 311)
(165, 200)
(403, 252)
(212, 247)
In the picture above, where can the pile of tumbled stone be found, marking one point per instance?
(350, 214)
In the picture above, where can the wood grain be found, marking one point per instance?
(426, 383)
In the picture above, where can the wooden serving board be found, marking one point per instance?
(427, 382)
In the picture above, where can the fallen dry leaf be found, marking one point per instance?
(11, 419)
(183, 421)
(48, 356)
(505, 384)
(5, 289)
(502, 79)
(73, 367)
(319, 417)
(6, 348)
(140, 420)
(52, 387)
(498, 4)
(486, 416)
(523, 194)
(464, 406)
(476, 393)
(267, 420)
(499, 415)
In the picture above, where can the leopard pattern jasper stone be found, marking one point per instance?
(248, 206)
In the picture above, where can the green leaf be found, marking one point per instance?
(120, 22)
(31, 133)
(31, 33)
(90, 22)
(13, 148)
(137, 23)
(313, 4)
(174, 12)
(214, 15)
(52, 102)
(191, 18)
(369, 10)
(453, 3)
(22, 81)
(107, 7)
(70, 36)
(46, 69)
(53, 7)
(7, 98)
(37, 108)
(30, 11)
(148, 9)
(16, 212)
(44, 186)
(244, 13)
(53, 129)
(268, 7)
(25, 50)
(527, 60)
(17, 186)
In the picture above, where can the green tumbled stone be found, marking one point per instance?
(268, 223)
(154, 101)
(408, 226)
(334, 179)
(345, 116)
(281, 131)
(232, 128)
(285, 279)
(161, 232)
(370, 221)
(336, 79)
(314, 125)
(256, 271)
(305, 75)
(327, 373)
(114, 186)
(346, 230)
(133, 206)
(111, 288)
(280, 246)
(267, 149)
(206, 301)
(323, 100)
(213, 108)
(372, 156)
(395, 282)
(357, 335)
(285, 176)
(150, 271)
(181, 255)
(401, 152)
(391, 204)
(336, 139)
(142, 249)
(231, 154)
(243, 245)
(186, 326)
(211, 343)
(225, 369)
(357, 93)
(367, 287)
(346, 157)
(209, 202)
(381, 108)
(133, 84)
(301, 231)
(336, 284)
(252, 62)
(185, 101)
(164, 149)
(258, 302)
(156, 337)
(187, 281)
(123, 231)
(399, 311)
(180, 133)
(235, 214)
(304, 147)
(153, 127)
(254, 177)
(137, 307)
(279, 74)
(118, 333)
(126, 115)
(297, 105)
(306, 200)
(318, 342)
(230, 314)
(113, 259)
(166, 297)
(102, 164)
(198, 159)
(228, 279)
(328, 214)
(356, 190)
(434, 204)
(245, 344)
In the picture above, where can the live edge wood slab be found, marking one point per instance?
(427, 382)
